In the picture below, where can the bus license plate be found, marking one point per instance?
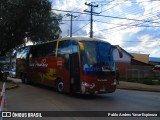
(102, 89)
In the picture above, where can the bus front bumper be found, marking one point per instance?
(97, 89)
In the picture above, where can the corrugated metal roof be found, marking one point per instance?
(154, 59)
(141, 57)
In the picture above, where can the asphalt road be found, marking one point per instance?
(40, 98)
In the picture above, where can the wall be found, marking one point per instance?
(139, 71)
(122, 67)
(126, 57)
(122, 63)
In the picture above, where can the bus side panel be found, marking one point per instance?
(42, 70)
(49, 72)
(63, 71)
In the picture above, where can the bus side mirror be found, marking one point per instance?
(119, 50)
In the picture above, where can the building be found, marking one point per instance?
(124, 63)
(133, 65)
(144, 58)
(154, 60)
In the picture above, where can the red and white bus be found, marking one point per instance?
(76, 65)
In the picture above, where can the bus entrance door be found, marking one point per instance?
(74, 72)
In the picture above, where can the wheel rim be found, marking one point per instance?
(60, 86)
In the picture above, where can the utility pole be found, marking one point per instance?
(91, 11)
(71, 23)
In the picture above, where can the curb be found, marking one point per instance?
(139, 89)
(11, 87)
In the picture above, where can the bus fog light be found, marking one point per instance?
(92, 86)
(115, 82)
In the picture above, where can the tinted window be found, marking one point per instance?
(65, 47)
(43, 50)
(23, 52)
(96, 55)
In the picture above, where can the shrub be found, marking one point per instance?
(148, 81)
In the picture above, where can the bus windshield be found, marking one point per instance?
(96, 56)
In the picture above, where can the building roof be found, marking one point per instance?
(126, 52)
(137, 62)
(154, 59)
(141, 57)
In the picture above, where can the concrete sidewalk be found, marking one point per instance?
(138, 86)
(9, 85)
(122, 85)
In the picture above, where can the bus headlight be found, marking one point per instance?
(88, 85)
(85, 84)
(115, 82)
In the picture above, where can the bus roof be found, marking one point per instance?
(68, 38)
(74, 38)
(82, 39)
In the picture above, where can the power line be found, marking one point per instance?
(76, 20)
(136, 20)
(125, 18)
(111, 7)
(80, 28)
(71, 22)
(115, 17)
(125, 2)
(91, 12)
(139, 22)
(125, 24)
(133, 24)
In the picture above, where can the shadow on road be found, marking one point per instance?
(107, 96)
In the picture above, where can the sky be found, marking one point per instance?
(132, 24)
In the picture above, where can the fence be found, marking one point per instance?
(138, 72)
(2, 99)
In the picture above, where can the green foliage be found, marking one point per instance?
(148, 81)
(31, 19)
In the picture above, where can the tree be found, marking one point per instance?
(23, 20)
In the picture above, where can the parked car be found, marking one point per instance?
(12, 73)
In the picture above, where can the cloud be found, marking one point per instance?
(148, 45)
(121, 32)
(76, 6)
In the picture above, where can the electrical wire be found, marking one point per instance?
(80, 28)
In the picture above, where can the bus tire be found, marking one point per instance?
(60, 86)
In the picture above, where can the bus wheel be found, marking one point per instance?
(60, 86)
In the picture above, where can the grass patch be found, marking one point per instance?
(147, 81)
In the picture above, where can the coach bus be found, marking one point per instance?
(71, 65)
